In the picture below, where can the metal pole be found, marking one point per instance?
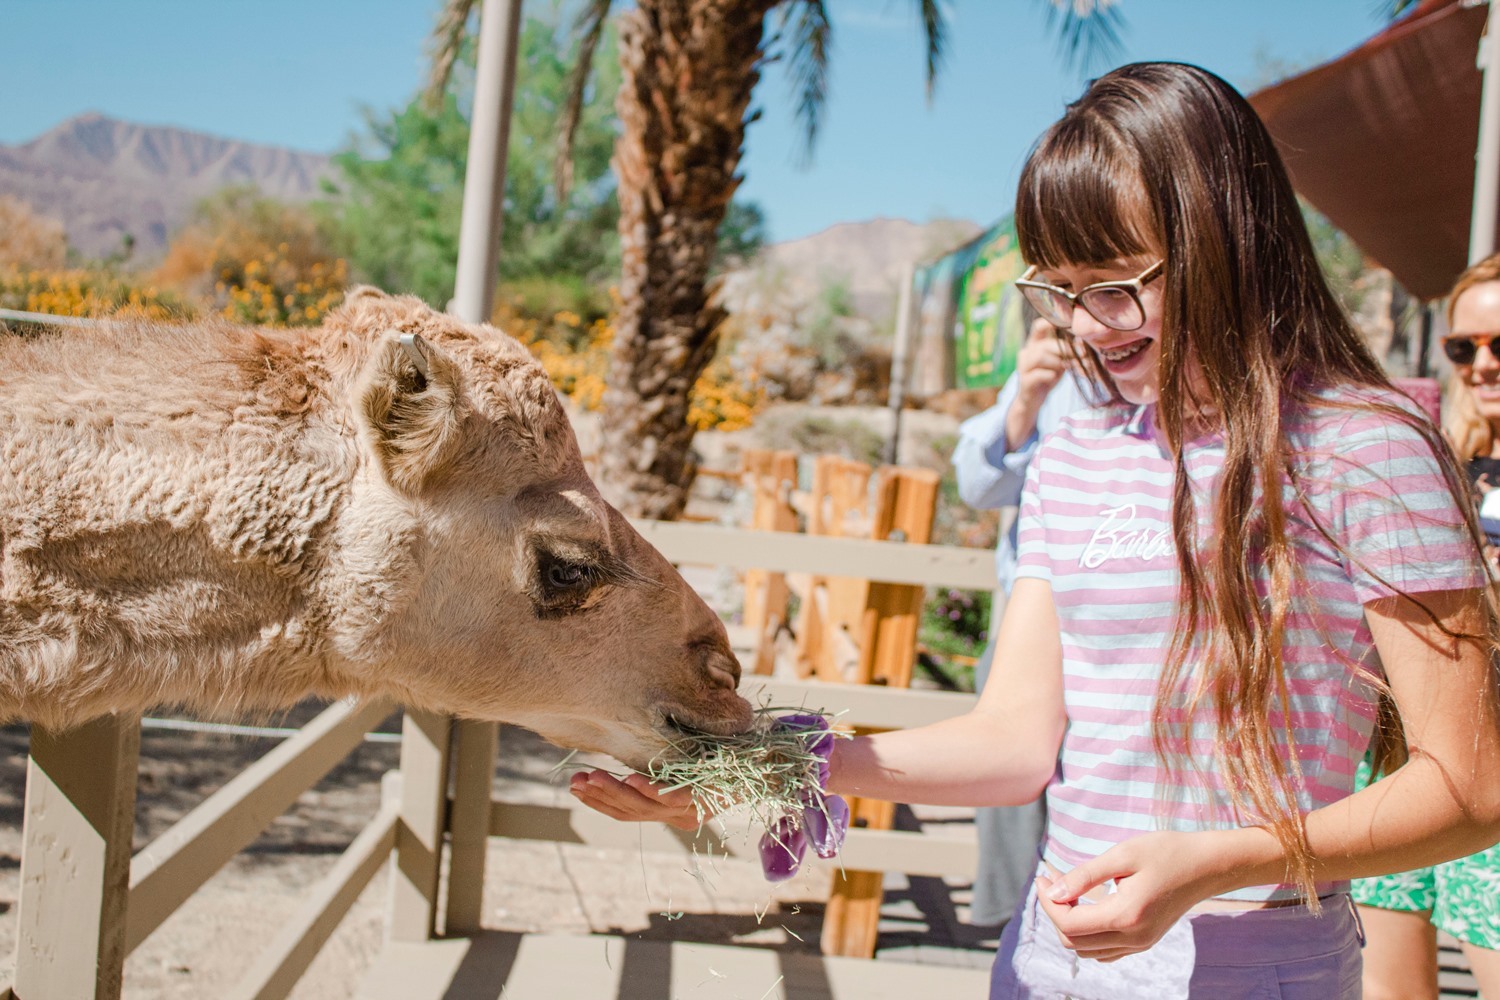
(1487, 157)
(1429, 309)
(472, 743)
(484, 178)
(900, 362)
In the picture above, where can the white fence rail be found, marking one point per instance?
(789, 552)
(173, 866)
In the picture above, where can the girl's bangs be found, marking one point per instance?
(1082, 202)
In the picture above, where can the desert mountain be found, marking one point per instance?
(867, 259)
(104, 178)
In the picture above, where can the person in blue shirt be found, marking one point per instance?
(990, 459)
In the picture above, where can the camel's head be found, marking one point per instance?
(523, 597)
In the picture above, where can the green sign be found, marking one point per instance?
(988, 325)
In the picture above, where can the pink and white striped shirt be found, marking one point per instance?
(1095, 523)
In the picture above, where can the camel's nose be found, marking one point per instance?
(722, 667)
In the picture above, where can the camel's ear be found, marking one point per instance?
(411, 409)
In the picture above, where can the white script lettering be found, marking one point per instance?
(1118, 538)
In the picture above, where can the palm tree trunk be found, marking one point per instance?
(689, 67)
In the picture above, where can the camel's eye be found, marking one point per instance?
(567, 576)
(563, 585)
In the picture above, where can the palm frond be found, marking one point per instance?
(444, 46)
(935, 30)
(590, 29)
(1088, 31)
(1392, 9)
(808, 43)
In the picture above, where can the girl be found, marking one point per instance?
(1401, 912)
(1219, 575)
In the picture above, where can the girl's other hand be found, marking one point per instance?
(1041, 362)
(1158, 878)
(634, 800)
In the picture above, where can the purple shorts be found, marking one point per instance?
(1282, 953)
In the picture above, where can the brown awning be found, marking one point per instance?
(1382, 141)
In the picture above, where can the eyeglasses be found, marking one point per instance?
(1463, 348)
(1116, 304)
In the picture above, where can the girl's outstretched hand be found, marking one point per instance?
(634, 800)
(1158, 878)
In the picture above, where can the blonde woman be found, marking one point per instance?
(1473, 424)
(1402, 912)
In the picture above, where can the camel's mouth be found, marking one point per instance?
(677, 721)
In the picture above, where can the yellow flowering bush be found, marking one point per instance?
(271, 290)
(79, 292)
(256, 261)
(722, 399)
(578, 373)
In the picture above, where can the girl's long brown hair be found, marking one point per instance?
(1165, 158)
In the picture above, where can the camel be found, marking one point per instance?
(392, 504)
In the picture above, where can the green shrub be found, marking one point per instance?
(956, 623)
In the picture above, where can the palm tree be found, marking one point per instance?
(688, 70)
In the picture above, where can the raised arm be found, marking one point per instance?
(995, 446)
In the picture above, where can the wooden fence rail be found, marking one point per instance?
(889, 562)
(172, 867)
(278, 968)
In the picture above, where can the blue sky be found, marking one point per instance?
(297, 72)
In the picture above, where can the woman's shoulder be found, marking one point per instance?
(1359, 436)
(1090, 440)
(1349, 414)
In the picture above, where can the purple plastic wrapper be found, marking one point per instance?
(826, 825)
(781, 849)
(824, 819)
(822, 746)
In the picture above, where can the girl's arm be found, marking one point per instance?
(1443, 804)
(1002, 752)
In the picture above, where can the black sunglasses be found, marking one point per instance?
(1463, 348)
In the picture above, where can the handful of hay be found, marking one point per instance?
(779, 769)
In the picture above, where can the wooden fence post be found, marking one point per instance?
(772, 476)
(839, 601)
(469, 824)
(75, 860)
(811, 625)
(419, 834)
(904, 510)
